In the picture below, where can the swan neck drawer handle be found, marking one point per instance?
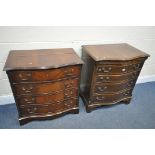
(23, 78)
(102, 88)
(106, 78)
(100, 98)
(69, 72)
(105, 70)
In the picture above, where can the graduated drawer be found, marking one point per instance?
(118, 69)
(116, 78)
(113, 87)
(111, 98)
(48, 108)
(46, 99)
(44, 75)
(125, 62)
(45, 88)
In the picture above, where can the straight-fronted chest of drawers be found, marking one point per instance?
(45, 83)
(109, 73)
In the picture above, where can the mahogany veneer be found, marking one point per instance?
(45, 83)
(112, 71)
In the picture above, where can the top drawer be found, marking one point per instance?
(118, 69)
(44, 75)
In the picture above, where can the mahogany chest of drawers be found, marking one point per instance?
(112, 71)
(45, 83)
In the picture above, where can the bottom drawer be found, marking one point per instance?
(110, 98)
(46, 109)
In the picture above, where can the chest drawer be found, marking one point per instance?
(45, 88)
(44, 75)
(32, 110)
(111, 98)
(116, 78)
(46, 99)
(113, 87)
(118, 69)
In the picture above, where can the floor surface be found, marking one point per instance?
(140, 113)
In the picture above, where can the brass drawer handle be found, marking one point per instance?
(69, 71)
(102, 88)
(22, 77)
(100, 98)
(30, 100)
(30, 88)
(102, 78)
(29, 110)
(105, 70)
(27, 90)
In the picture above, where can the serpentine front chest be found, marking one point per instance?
(45, 83)
(109, 73)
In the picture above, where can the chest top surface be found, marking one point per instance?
(41, 59)
(120, 52)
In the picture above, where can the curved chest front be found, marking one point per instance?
(108, 78)
(43, 94)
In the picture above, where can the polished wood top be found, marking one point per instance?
(120, 52)
(41, 59)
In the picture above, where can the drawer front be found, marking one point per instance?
(33, 110)
(47, 99)
(116, 78)
(110, 98)
(113, 87)
(46, 109)
(45, 88)
(118, 69)
(127, 62)
(44, 75)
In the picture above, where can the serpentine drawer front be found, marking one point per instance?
(47, 75)
(45, 83)
(109, 73)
